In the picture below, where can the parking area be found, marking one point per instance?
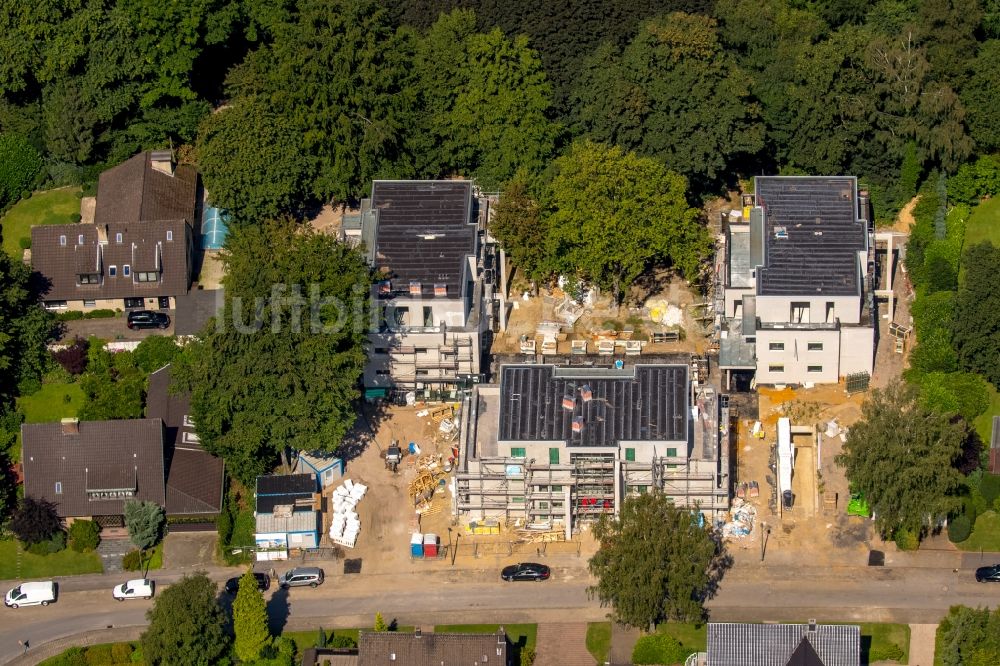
(112, 329)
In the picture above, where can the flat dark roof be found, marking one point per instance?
(275, 490)
(812, 235)
(425, 232)
(641, 403)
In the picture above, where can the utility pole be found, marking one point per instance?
(765, 532)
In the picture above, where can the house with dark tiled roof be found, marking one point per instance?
(89, 469)
(194, 478)
(376, 648)
(812, 644)
(138, 253)
(427, 241)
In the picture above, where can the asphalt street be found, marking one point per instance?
(746, 594)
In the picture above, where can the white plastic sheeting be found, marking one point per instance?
(345, 525)
(786, 455)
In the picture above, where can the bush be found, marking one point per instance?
(99, 314)
(70, 315)
(132, 560)
(24, 242)
(959, 528)
(891, 652)
(75, 217)
(906, 539)
(121, 653)
(73, 358)
(659, 649)
(527, 656)
(336, 641)
(989, 487)
(84, 535)
(54, 544)
(36, 520)
(99, 655)
(71, 657)
(155, 352)
(19, 165)
(25, 194)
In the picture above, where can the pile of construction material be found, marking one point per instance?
(742, 518)
(345, 526)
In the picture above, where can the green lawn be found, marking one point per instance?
(984, 223)
(599, 640)
(693, 636)
(51, 207)
(25, 566)
(50, 404)
(883, 640)
(984, 422)
(985, 534)
(307, 639)
(156, 557)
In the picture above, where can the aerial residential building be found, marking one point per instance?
(433, 301)
(562, 445)
(812, 644)
(798, 282)
(287, 515)
(138, 253)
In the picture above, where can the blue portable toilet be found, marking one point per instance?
(417, 545)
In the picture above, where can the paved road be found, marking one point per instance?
(748, 593)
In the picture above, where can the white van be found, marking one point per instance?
(31, 594)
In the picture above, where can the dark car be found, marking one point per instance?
(988, 574)
(525, 571)
(147, 319)
(263, 582)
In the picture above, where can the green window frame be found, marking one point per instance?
(518, 452)
(554, 455)
(630, 455)
(557, 489)
(671, 453)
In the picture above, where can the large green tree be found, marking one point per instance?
(186, 625)
(24, 328)
(253, 163)
(969, 637)
(675, 94)
(901, 455)
(489, 103)
(979, 95)
(976, 325)
(655, 563)
(250, 620)
(340, 72)
(300, 301)
(113, 387)
(611, 215)
(19, 165)
(145, 522)
(521, 229)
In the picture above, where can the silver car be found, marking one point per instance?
(302, 576)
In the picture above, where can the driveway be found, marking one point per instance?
(189, 550)
(112, 329)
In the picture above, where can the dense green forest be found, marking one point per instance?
(314, 98)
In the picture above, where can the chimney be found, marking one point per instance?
(417, 632)
(70, 426)
(162, 161)
(812, 626)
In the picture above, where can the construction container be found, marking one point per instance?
(430, 545)
(417, 545)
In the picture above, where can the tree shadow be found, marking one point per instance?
(721, 563)
(371, 416)
(278, 610)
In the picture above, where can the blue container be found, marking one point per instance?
(413, 448)
(417, 545)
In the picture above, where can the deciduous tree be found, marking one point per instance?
(24, 328)
(35, 520)
(154, 352)
(655, 563)
(19, 165)
(186, 625)
(250, 620)
(969, 637)
(300, 300)
(521, 229)
(611, 215)
(113, 387)
(901, 457)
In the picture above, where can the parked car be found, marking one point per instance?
(140, 588)
(147, 319)
(31, 594)
(988, 574)
(302, 576)
(525, 571)
(263, 583)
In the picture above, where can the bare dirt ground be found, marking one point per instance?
(328, 220)
(212, 271)
(526, 315)
(904, 220)
(809, 532)
(87, 207)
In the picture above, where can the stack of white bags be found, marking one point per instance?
(345, 525)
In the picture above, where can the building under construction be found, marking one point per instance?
(557, 445)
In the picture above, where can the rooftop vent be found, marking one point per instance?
(781, 233)
(812, 626)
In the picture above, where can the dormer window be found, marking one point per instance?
(118, 238)
(89, 278)
(143, 276)
(415, 289)
(170, 235)
(384, 288)
(440, 289)
(112, 271)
